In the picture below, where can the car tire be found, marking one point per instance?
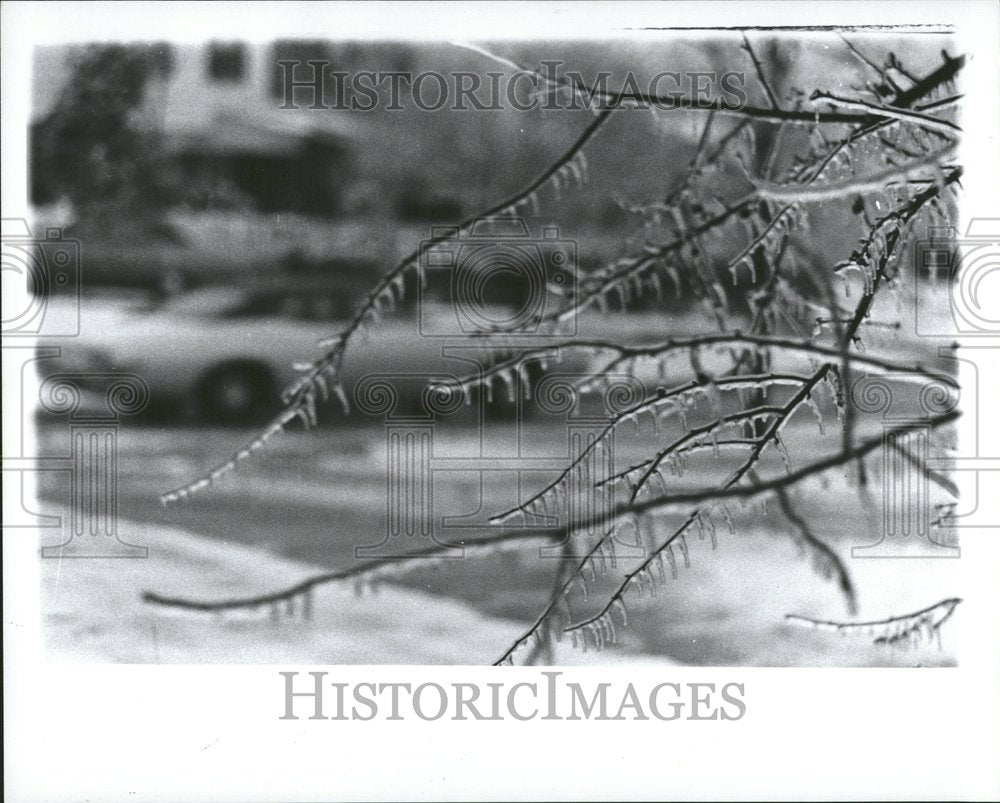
(238, 393)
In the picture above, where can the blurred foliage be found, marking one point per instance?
(93, 148)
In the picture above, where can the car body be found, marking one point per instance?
(225, 353)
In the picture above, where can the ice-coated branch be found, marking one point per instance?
(880, 244)
(625, 354)
(896, 174)
(875, 68)
(827, 560)
(600, 627)
(659, 407)
(944, 482)
(879, 110)
(558, 598)
(624, 272)
(759, 68)
(387, 567)
(650, 468)
(710, 215)
(601, 622)
(379, 568)
(322, 376)
(597, 624)
(609, 99)
(907, 627)
(802, 396)
(861, 449)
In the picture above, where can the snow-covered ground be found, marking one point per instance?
(729, 605)
(92, 611)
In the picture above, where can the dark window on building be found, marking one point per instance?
(227, 62)
(301, 51)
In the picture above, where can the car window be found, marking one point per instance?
(208, 302)
(293, 306)
(305, 304)
(256, 305)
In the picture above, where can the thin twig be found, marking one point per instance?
(648, 405)
(939, 479)
(397, 564)
(760, 73)
(730, 491)
(625, 353)
(891, 629)
(906, 116)
(300, 396)
(555, 534)
(818, 545)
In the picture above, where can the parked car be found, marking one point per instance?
(225, 353)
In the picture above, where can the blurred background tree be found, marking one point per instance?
(93, 148)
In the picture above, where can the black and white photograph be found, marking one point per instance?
(412, 365)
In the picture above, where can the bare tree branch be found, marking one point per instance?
(828, 557)
(917, 118)
(894, 629)
(760, 72)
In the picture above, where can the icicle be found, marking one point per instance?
(810, 402)
(573, 170)
(338, 390)
(323, 385)
(654, 282)
(785, 459)
(556, 183)
(672, 559)
(684, 551)
(581, 158)
(652, 583)
(398, 285)
(524, 379)
(303, 417)
(309, 403)
(661, 569)
(728, 516)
